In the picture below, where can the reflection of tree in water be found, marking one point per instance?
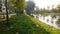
(44, 17)
(54, 16)
(37, 16)
(52, 21)
(58, 22)
(47, 20)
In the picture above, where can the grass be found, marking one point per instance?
(48, 28)
(24, 24)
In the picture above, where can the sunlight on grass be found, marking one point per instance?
(48, 28)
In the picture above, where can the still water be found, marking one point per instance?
(48, 20)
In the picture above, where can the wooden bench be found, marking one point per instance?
(2, 15)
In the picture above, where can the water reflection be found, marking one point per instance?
(48, 19)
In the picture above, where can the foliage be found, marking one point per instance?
(58, 7)
(54, 10)
(30, 6)
(0, 6)
(41, 11)
(19, 5)
(11, 4)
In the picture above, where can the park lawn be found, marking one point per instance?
(25, 24)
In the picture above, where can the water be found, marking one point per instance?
(48, 20)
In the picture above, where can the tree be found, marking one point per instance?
(58, 7)
(11, 4)
(19, 5)
(54, 10)
(30, 6)
(0, 7)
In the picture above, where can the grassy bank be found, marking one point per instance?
(48, 28)
(24, 24)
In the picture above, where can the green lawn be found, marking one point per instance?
(24, 24)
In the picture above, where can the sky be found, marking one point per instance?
(46, 3)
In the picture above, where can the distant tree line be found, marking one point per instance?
(43, 11)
